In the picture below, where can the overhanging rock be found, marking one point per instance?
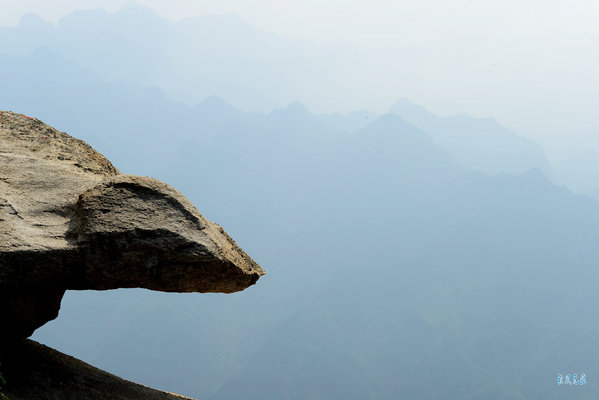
(70, 220)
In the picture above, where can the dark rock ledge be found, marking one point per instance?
(70, 220)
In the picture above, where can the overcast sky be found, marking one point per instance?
(532, 64)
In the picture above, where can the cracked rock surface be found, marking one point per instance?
(70, 220)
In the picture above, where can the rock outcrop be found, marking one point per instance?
(70, 220)
(37, 372)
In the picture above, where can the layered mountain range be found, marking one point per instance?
(410, 255)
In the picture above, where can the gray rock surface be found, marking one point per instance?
(36, 372)
(70, 220)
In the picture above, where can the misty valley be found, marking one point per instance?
(407, 254)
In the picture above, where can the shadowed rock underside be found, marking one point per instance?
(70, 220)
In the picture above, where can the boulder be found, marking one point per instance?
(70, 220)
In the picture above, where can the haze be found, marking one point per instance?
(420, 180)
(531, 65)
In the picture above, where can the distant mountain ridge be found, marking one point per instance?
(136, 45)
(395, 269)
(479, 143)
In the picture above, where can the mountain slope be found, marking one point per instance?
(426, 279)
(478, 143)
(394, 271)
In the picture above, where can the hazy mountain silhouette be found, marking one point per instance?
(479, 143)
(189, 59)
(348, 122)
(578, 172)
(393, 268)
(253, 69)
(62, 93)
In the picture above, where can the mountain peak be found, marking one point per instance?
(406, 106)
(297, 107)
(535, 174)
(294, 109)
(214, 104)
(390, 121)
(33, 21)
(214, 100)
(393, 128)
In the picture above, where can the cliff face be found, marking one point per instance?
(70, 220)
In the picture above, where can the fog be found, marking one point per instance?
(528, 64)
(418, 179)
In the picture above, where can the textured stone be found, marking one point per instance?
(70, 220)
